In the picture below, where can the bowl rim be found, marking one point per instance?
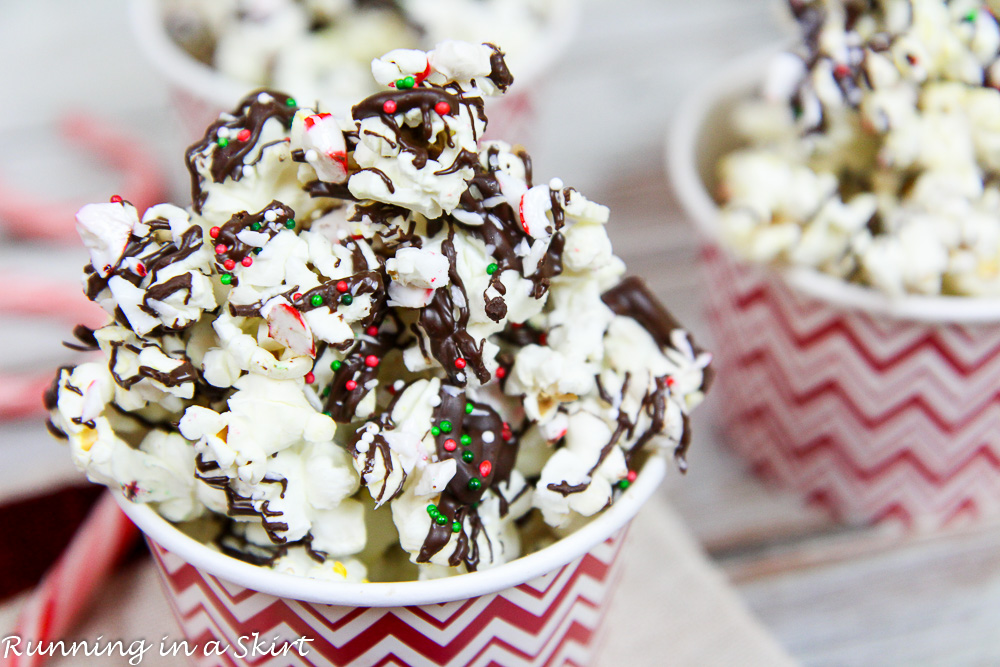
(407, 593)
(682, 167)
(194, 77)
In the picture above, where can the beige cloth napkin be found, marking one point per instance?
(673, 608)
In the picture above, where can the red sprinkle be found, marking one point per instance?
(371, 361)
(220, 249)
(543, 339)
(244, 135)
(450, 445)
(350, 385)
(485, 468)
(389, 106)
(372, 330)
(460, 363)
(140, 269)
(229, 264)
(296, 296)
(841, 71)
(515, 325)
(670, 381)
(501, 372)
(116, 199)
(214, 232)
(310, 378)
(247, 261)
(631, 476)
(342, 286)
(443, 108)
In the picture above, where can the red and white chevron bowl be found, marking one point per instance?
(542, 609)
(877, 408)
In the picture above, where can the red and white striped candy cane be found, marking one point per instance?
(68, 588)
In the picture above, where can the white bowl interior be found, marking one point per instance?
(397, 594)
(702, 133)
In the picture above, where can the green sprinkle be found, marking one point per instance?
(290, 102)
(474, 484)
(492, 268)
(347, 299)
(328, 414)
(970, 17)
(226, 279)
(432, 509)
(456, 527)
(624, 484)
(223, 142)
(435, 431)
(254, 226)
(466, 439)
(316, 300)
(446, 426)
(468, 456)
(326, 392)
(256, 251)
(336, 365)
(406, 83)
(290, 224)
(440, 519)
(469, 408)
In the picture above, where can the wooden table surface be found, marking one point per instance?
(832, 595)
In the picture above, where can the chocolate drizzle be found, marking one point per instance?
(445, 320)
(418, 144)
(632, 298)
(227, 155)
(462, 495)
(239, 505)
(235, 249)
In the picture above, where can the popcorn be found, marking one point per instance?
(324, 50)
(373, 334)
(870, 163)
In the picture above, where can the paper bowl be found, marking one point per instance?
(877, 408)
(201, 92)
(542, 609)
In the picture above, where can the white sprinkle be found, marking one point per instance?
(371, 384)
(460, 377)
(341, 234)
(556, 184)
(612, 413)
(367, 437)
(362, 447)
(488, 437)
(311, 155)
(270, 215)
(222, 132)
(398, 384)
(264, 98)
(247, 170)
(434, 400)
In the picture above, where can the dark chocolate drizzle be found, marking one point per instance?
(459, 501)
(227, 161)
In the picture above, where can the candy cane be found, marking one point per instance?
(66, 590)
(33, 216)
(21, 393)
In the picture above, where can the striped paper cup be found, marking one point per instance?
(545, 608)
(877, 408)
(201, 92)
